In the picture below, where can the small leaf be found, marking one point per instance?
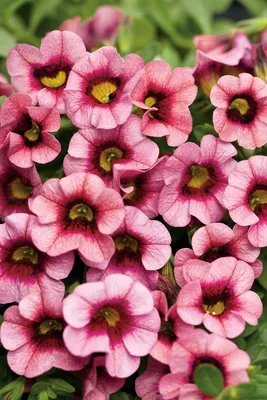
(43, 396)
(7, 41)
(209, 379)
(60, 387)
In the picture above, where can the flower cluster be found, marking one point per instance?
(110, 215)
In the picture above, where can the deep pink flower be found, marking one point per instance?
(195, 180)
(22, 265)
(142, 247)
(77, 212)
(241, 110)
(162, 97)
(99, 87)
(24, 129)
(246, 198)
(32, 332)
(5, 88)
(187, 355)
(214, 241)
(116, 317)
(43, 73)
(102, 151)
(18, 186)
(218, 296)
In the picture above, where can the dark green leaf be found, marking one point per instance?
(121, 396)
(60, 387)
(199, 12)
(40, 10)
(257, 352)
(209, 379)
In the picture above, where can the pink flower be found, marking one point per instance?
(18, 186)
(102, 151)
(246, 198)
(101, 28)
(43, 73)
(241, 108)
(142, 247)
(195, 180)
(218, 296)
(214, 241)
(25, 130)
(162, 98)
(5, 88)
(187, 355)
(142, 188)
(77, 212)
(99, 87)
(97, 384)
(32, 333)
(116, 317)
(22, 265)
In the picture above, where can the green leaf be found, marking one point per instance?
(209, 379)
(43, 396)
(244, 391)
(263, 277)
(170, 55)
(121, 396)
(254, 7)
(199, 12)
(39, 387)
(60, 387)
(257, 352)
(135, 37)
(40, 10)
(7, 41)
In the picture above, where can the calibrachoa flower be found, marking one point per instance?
(142, 247)
(218, 296)
(43, 73)
(214, 241)
(241, 110)
(25, 130)
(162, 97)
(22, 265)
(195, 180)
(102, 151)
(32, 333)
(187, 355)
(77, 212)
(99, 87)
(18, 186)
(115, 317)
(246, 198)
(5, 88)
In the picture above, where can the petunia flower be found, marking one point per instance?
(22, 265)
(116, 317)
(43, 73)
(101, 151)
(77, 212)
(25, 130)
(241, 106)
(195, 180)
(187, 355)
(162, 97)
(5, 88)
(218, 296)
(32, 333)
(99, 87)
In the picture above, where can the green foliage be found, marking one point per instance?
(209, 379)
(14, 388)
(50, 388)
(122, 396)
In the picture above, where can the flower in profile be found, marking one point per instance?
(246, 198)
(102, 151)
(5, 88)
(187, 355)
(241, 105)
(43, 73)
(142, 246)
(218, 296)
(24, 129)
(116, 317)
(162, 97)
(32, 333)
(99, 87)
(77, 212)
(214, 241)
(18, 186)
(22, 264)
(195, 180)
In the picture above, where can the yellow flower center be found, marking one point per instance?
(54, 81)
(107, 156)
(130, 195)
(241, 105)
(215, 309)
(18, 190)
(200, 176)
(111, 316)
(32, 134)
(103, 91)
(49, 326)
(81, 211)
(150, 101)
(258, 197)
(25, 254)
(125, 242)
